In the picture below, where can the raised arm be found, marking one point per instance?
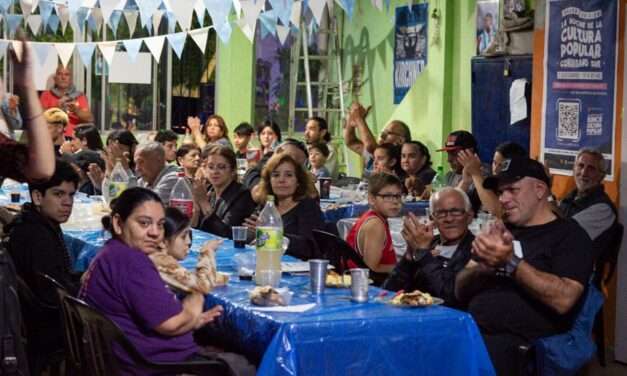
(472, 169)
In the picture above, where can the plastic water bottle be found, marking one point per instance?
(439, 180)
(181, 196)
(117, 183)
(269, 245)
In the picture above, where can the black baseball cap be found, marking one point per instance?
(516, 168)
(459, 140)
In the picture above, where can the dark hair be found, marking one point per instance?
(322, 148)
(63, 172)
(126, 203)
(322, 124)
(404, 127)
(166, 135)
(86, 157)
(175, 222)
(244, 129)
(122, 136)
(274, 126)
(184, 150)
(90, 133)
(393, 151)
(223, 151)
(422, 149)
(294, 142)
(380, 180)
(510, 149)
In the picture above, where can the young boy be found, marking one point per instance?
(243, 134)
(370, 236)
(318, 154)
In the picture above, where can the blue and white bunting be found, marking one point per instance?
(283, 10)
(12, 21)
(132, 48)
(45, 10)
(177, 42)
(219, 12)
(86, 52)
(53, 23)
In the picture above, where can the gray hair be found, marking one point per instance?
(152, 148)
(437, 195)
(594, 153)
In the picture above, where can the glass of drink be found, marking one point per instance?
(242, 166)
(239, 236)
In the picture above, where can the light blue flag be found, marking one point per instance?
(283, 10)
(132, 48)
(349, 7)
(42, 50)
(86, 51)
(219, 12)
(148, 27)
(92, 24)
(12, 22)
(4, 5)
(146, 9)
(114, 21)
(268, 21)
(171, 19)
(45, 10)
(74, 5)
(81, 17)
(53, 23)
(177, 42)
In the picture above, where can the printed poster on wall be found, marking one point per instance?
(410, 47)
(580, 81)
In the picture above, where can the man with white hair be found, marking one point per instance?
(153, 172)
(527, 278)
(431, 262)
(588, 204)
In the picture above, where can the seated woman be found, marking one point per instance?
(416, 165)
(269, 135)
(387, 159)
(228, 203)
(292, 187)
(214, 131)
(124, 284)
(188, 157)
(370, 236)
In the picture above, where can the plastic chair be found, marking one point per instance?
(41, 355)
(339, 252)
(99, 334)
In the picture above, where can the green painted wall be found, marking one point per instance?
(235, 83)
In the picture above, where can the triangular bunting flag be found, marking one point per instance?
(65, 51)
(27, 7)
(245, 29)
(80, 16)
(114, 21)
(4, 5)
(177, 42)
(268, 21)
(107, 7)
(34, 21)
(155, 45)
(45, 10)
(132, 48)
(64, 16)
(296, 11)
(157, 16)
(251, 10)
(108, 50)
(17, 47)
(317, 9)
(95, 19)
(74, 5)
(199, 8)
(12, 21)
(219, 11)
(199, 36)
(348, 6)
(131, 20)
(283, 10)
(183, 10)
(86, 51)
(42, 50)
(53, 23)
(3, 48)
(146, 9)
(171, 20)
(282, 32)
(237, 5)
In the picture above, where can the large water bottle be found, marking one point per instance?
(439, 181)
(181, 196)
(118, 182)
(269, 245)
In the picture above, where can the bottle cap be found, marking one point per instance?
(270, 198)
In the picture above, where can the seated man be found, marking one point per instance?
(153, 172)
(317, 132)
(169, 140)
(432, 262)
(36, 246)
(588, 204)
(527, 278)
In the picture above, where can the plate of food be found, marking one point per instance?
(268, 296)
(414, 299)
(336, 280)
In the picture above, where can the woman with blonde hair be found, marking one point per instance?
(57, 120)
(293, 190)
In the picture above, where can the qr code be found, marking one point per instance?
(568, 123)
(594, 125)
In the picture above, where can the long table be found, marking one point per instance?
(333, 212)
(337, 336)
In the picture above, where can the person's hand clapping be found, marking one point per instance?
(494, 247)
(193, 123)
(417, 235)
(208, 316)
(470, 161)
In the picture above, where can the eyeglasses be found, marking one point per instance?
(218, 167)
(455, 213)
(385, 134)
(390, 197)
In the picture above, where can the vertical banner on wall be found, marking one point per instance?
(580, 81)
(410, 47)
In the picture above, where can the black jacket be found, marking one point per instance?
(297, 226)
(234, 205)
(432, 274)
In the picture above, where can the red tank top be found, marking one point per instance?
(388, 256)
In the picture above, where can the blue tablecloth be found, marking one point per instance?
(332, 213)
(337, 336)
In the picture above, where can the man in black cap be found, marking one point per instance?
(527, 278)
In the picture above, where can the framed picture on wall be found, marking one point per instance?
(487, 23)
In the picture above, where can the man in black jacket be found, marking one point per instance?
(432, 262)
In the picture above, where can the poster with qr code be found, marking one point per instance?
(581, 44)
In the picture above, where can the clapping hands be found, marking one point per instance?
(494, 246)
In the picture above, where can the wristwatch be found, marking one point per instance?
(512, 265)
